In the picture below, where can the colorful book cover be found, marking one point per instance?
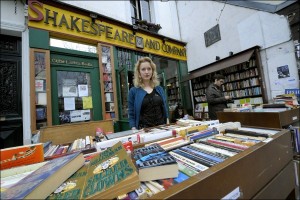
(151, 149)
(21, 155)
(46, 179)
(106, 175)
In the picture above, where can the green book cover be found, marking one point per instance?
(107, 175)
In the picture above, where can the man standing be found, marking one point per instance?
(215, 97)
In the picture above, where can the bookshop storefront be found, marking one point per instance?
(82, 67)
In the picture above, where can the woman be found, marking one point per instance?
(146, 101)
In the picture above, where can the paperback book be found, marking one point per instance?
(153, 163)
(41, 182)
(107, 175)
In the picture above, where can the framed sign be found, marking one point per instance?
(212, 35)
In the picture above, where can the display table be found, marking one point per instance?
(264, 171)
(262, 119)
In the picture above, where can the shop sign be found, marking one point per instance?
(54, 19)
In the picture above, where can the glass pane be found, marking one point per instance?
(74, 97)
(40, 89)
(145, 10)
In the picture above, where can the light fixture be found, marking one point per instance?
(230, 53)
(217, 57)
(93, 16)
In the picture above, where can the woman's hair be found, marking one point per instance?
(137, 80)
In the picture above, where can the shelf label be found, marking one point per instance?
(235, 194)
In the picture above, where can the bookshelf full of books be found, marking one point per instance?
(243, 82)
(108, 83)
(173, 91)
(40, 89)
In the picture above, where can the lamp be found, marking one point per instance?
(217, 57)
(230, 53)
(93, 16)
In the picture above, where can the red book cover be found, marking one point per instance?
(21, 155)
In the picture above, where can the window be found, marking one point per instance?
(140, 9)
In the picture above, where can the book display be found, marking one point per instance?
(40, 87)
(242, 82)
(44, 180)
(108, 83)
(206, 154)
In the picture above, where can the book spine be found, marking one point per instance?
(188, 161)
(194, 157)
(228, 144)
(212, 153)
(186, 169)
(213, 149)
(233, 150)
(249, 133)
(202, 156)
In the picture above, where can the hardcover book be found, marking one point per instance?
(45, 179)
(107, 175)
(21, 155)
(153, 163)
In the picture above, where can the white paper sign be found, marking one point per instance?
(70, 91)
(83, 90)
(75, 116)
(235, 194)
(69, 103)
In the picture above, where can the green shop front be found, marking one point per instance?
(82, 67)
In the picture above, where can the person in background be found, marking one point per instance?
(215, 97)
(178, 113)
(147, 106)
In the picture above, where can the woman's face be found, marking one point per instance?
(146, 71)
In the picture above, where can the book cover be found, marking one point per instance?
(153, 163)
(45, 179)
(21, 155)
(107, 175)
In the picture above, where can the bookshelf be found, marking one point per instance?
(108, 83)
(173, 91)
(243, 82)
(40, 89)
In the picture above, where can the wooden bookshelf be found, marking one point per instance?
(243, 81)
(108, 83)
(67, 133)
(40, 87)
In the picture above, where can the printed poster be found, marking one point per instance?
(83, 90)
(69, 103)
(70, 91)
(87, 102)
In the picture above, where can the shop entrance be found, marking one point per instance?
(11, 131)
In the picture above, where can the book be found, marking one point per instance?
(107, 175)
(21, 155)
(153, 163)
(45, 179)
(10, 177)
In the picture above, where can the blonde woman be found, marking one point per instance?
(146, 101)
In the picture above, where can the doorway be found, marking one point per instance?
(11, 120)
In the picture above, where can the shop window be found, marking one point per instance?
(74, 97)
(140, 10)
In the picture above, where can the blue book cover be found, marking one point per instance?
(28, 184)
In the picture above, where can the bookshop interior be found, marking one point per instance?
(81, 70)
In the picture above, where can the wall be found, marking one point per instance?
(13, 23)
(163, 13)
(240, 29)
